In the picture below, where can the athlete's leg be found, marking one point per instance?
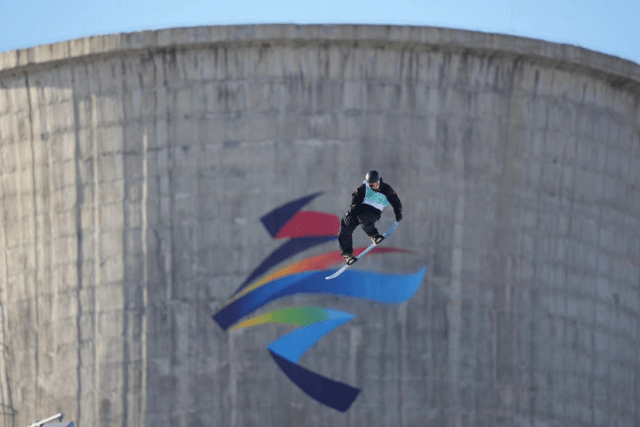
(345, 236)
(368, 220)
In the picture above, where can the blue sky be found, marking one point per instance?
(608, 26)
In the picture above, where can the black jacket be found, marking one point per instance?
(357, 199)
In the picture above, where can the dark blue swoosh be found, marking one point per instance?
(332, 393)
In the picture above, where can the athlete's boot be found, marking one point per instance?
(349, 258)
(377, 238)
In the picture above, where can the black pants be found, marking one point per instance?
(348, 223)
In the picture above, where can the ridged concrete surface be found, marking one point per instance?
(134, 169)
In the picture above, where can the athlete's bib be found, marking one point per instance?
(374, 198)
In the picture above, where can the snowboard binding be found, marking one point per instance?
(377, 238)
(349, 258)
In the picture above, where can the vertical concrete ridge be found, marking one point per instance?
(595, 306)
(8, 412)
(454, 306)
(36, 291)
(142, 404)
(30, 306)
(172, 297)
(126, 281)
(97, 261)
(80, 203)
(540, 259)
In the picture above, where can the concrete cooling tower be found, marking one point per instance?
(170, 203)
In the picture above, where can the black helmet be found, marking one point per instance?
(372, 176)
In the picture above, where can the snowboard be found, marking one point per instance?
(385, 235)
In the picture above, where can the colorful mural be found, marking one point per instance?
(305, 230)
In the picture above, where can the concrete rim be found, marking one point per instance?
(620, 73)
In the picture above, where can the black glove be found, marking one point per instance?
(399, 216)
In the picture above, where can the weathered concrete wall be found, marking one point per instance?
(135, 168)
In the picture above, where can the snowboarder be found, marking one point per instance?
(367, 203)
